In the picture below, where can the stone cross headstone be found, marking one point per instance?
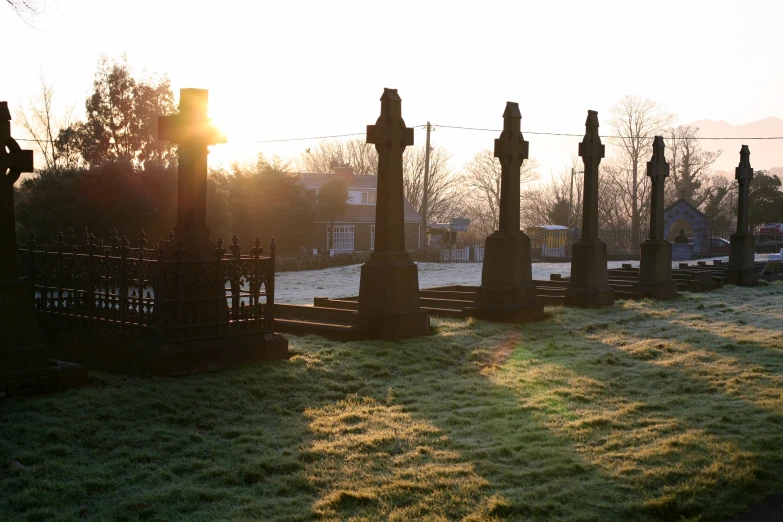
(19, 339)
(192, 131)
(507, 291)
(655, 265)
(389, 286)
(588, 287)
(742, 270)
(390, 137)
(13, 162)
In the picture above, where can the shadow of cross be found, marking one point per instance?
(512, 150)
(13, 161)
(192, 131)
(390, 137)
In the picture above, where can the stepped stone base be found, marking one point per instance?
(389, 300)
(508, 304)
(742, 268)
(589, 288)
(142, 358)
(655, 270)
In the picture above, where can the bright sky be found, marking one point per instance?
(292, 69)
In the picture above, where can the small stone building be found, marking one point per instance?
(699, 222)
(355, 229)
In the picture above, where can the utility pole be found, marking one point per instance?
(425, 192)
(570, 200)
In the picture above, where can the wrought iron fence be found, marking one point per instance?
(150, 294)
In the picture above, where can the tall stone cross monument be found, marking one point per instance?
(389, 287)
(589, 286)
(19, 339)
(742, 251)
(655, 266)
(507, 291)
(192, 131)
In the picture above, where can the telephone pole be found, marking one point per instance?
(425, 191)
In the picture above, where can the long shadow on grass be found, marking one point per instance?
(662, 427)
(217, 446)
(517, 466)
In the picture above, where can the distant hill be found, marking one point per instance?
(764, 154)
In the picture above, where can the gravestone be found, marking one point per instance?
(588, 287)
(192, 131)
(655, 265)
(507, 291)
(23, 364)
(389, 286)
(742, 270)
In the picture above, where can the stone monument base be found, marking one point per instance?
(508, 304)
(389, 299)
(655, 270)
(742, 254)
(24, 368)
(589, 288)
(136, 357)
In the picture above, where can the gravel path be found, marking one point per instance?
(343, 281)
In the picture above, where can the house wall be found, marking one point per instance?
(361, 238)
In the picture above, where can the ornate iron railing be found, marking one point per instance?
(156, 295)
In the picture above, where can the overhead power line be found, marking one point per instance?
(281, 140)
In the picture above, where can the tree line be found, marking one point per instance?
(110, 171)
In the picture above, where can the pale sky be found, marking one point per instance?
(293, 69)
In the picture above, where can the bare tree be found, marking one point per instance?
(480, 183)
(27, 10)
(690, 165)
(634, 121)
(548, 203)
(42, 123)
(443, 198)
(327, 153)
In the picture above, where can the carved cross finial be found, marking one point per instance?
(389, 134)
(590, 145)
(219, 251)
(658, 167)
(511, 147)
(14, 161)
(191, 125)
(744, 172)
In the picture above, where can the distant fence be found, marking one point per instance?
(141, 294)
(619, 241)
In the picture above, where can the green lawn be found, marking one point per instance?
(649, 410)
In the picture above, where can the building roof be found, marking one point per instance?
(355, 213)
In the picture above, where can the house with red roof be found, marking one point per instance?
(354, 231)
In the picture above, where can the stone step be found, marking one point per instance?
(448, 294)
(332, 330)
(446, 312)
(453, 304)
(316, 313)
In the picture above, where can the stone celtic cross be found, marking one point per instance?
(13, 162)
(591, 151)
(192, 131)
(390, 137)
(743, 174)
(512, 150)
(658, 171)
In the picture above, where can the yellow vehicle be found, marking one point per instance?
(550, 239)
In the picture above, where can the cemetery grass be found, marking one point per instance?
(646, 411)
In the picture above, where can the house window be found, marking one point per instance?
(372, 237)
(343, 237)
(369, 198)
